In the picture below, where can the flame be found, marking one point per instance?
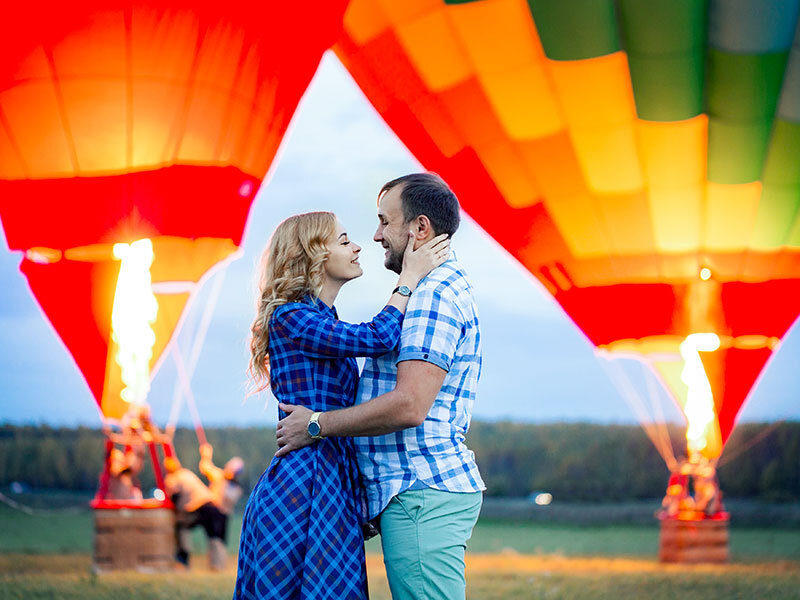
(134, 312)
(699, 407)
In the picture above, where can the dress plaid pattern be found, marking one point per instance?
(441, 327)
(301, 534)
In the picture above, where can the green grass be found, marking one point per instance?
(72, 534)
(67, 577)
(49, 557)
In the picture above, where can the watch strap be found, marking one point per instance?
(315, 420)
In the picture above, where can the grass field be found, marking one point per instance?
(49, 557)
(490, 577)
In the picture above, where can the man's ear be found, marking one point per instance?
(421, 227)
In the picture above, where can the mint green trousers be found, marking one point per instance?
(424, 535)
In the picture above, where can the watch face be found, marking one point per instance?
(405, 290)
(313, 429)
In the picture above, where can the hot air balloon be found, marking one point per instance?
(133, 139)
(639, 158)
(123, 122)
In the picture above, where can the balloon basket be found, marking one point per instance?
(694, 540)
(135, 537)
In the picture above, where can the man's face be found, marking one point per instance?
(392, 232)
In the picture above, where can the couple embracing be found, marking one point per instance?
(380, 451)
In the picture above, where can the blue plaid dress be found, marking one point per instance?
(301, 534)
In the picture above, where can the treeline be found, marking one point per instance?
(583, 462)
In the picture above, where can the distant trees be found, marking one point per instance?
(573, 461)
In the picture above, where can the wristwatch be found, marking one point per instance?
(403, 290)
(314, 430)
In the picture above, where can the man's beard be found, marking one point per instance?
(394, 262)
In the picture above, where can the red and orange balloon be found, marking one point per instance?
(129, 120)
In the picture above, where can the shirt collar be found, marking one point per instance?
(314, 301)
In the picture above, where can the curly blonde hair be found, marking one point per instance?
(291, 267)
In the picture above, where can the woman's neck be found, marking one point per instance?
(330, 289)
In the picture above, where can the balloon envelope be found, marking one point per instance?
(616, 149)
(123, 121)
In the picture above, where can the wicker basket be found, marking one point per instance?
(134, 538)
(694, 541)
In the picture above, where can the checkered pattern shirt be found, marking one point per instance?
(440, 327)
(301, 532)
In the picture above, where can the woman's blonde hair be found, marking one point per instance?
(291, 267)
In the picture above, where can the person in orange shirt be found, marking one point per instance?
(227, 490)
(194, 505)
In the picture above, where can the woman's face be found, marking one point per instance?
(342, 264)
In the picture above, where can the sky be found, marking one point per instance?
(538, 366)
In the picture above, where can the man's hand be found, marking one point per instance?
(292, 431)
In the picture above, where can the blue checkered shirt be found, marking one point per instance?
(301, 531)
(440, 327)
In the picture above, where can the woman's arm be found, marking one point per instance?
(322, 336)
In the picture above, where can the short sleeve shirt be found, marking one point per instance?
(440, 327)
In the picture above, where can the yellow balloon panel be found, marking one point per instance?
(609, 158)
(629, 222)
(581, 224)
(595, 92)
(673, 153)
(677, 218)
(524, 102)
(730, 215)
(597, 100)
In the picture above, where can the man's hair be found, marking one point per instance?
(427, 194)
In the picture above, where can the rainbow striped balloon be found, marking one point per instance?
(640, 157)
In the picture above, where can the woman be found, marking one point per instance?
(301, 534)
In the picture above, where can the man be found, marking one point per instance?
(194, 505)
(421, 480)
(226, 490)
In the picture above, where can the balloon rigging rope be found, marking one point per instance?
(623, 384)
(728, 457)
(183, 376)
(660, 418)
(183, 382)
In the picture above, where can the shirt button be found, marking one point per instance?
(424, 356)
